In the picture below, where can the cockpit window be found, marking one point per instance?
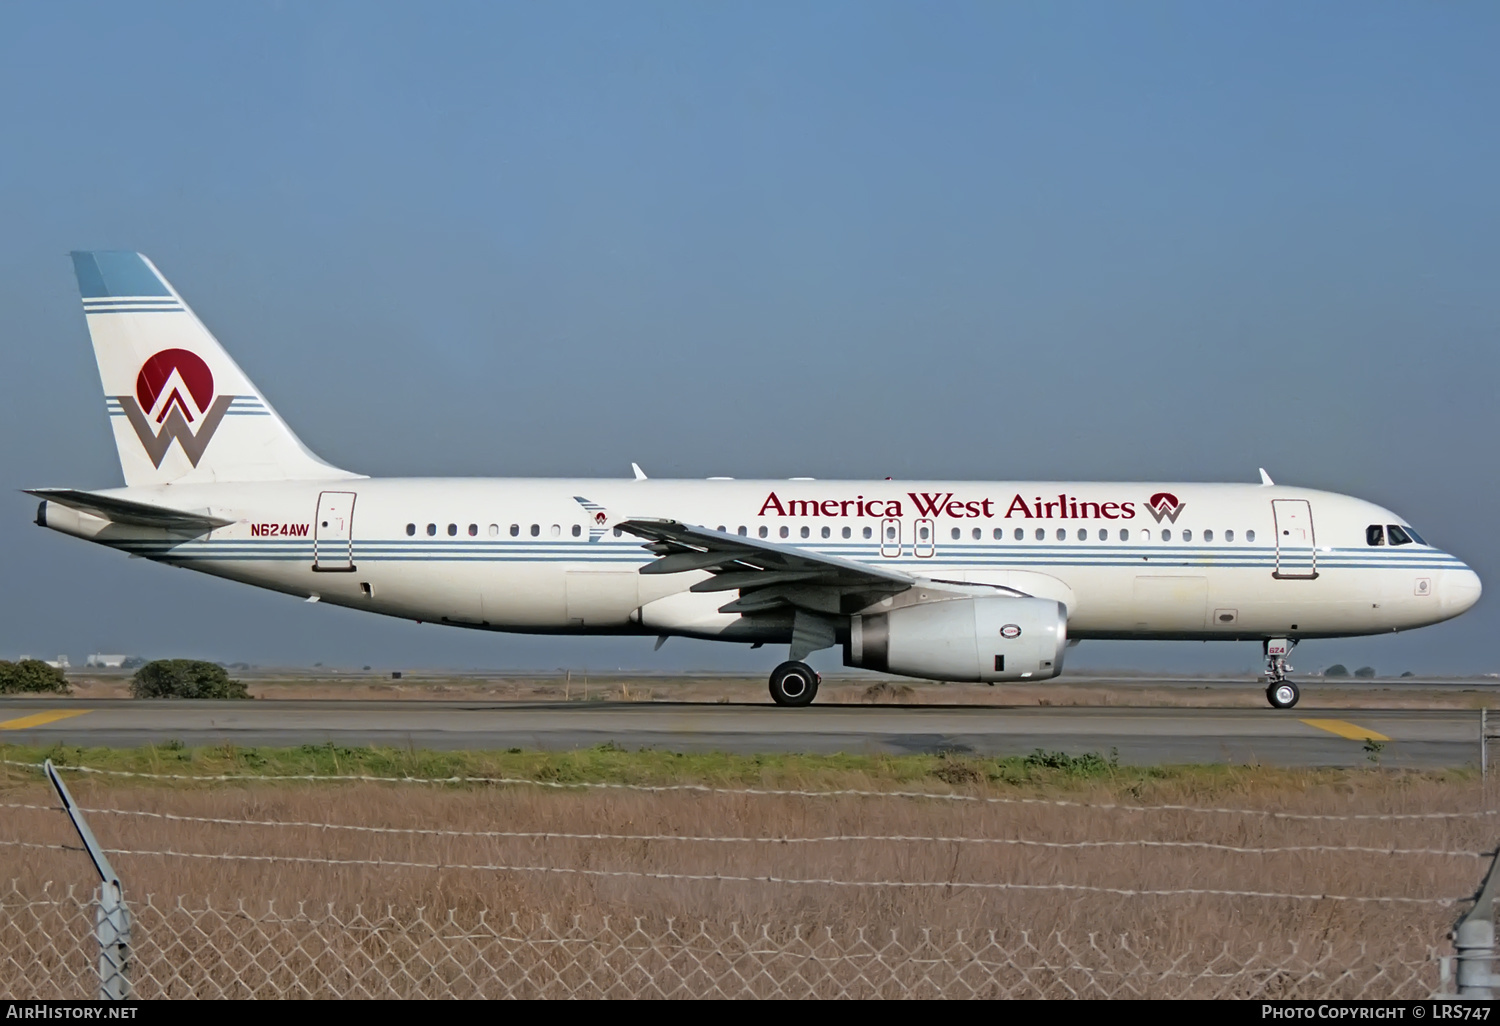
(1397, 535)
(1414, 536)
(1374, 535)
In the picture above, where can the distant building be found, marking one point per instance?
(60, 663)
(102, 661)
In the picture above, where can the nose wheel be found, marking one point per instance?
(794, 683)
(1282, 694)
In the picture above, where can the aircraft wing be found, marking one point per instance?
(127, 511)
(766, 574)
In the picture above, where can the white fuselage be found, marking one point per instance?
(1218, 561)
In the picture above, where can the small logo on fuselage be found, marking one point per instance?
(174, 400)
(1010, 631)
(1164, 505)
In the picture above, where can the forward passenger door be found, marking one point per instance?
(1296, 550)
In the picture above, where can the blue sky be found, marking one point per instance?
(1077, 240)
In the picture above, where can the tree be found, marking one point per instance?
(184, 678)
(31, 676)
(1365, 671)
(1336, 670)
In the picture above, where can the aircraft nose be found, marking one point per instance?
(1461, 589)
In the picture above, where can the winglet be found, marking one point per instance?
(640, 475)
(1265, 478)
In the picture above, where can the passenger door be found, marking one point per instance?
(333, 533)
(1296, 551)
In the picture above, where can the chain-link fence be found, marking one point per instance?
(182, 949)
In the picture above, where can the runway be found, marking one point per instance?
(1305, 736)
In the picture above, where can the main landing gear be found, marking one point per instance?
(794, 683)
(1280, 692)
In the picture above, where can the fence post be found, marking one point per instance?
(1474, 939)
(112, 918)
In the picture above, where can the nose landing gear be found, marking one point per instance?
(794, 683)
(1280, 692)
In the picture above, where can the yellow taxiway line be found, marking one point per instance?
(1343, 728)
(51, 716)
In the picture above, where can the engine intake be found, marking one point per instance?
(963, 639)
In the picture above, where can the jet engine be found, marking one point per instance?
(963, 639)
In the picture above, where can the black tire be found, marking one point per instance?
(794, 683)
(1282, 694)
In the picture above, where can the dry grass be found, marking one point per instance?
(1174, 923)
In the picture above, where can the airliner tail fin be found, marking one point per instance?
(181, 408)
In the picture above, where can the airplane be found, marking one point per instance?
(944, 580)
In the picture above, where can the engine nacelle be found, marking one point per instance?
(968, 639)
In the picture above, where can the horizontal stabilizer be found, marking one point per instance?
(125, 511)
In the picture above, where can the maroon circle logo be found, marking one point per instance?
(1010, 631)
(156, 374)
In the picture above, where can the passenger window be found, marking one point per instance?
(978, 534)
(1062, 534)
(452, 530)
(1187, 535)
(720, 529)
(536, 530)
(805, 532)
(827, 532)
(1020, 534)
(1249, 536)
(431, 530)
(620, 534)
(1041, 535)
(890, 534)
(785, 531)
(957, 534)
(1145, 534)
(1083, 534)
(473, 530)
(846, 532)
(742, 531)
(868, 532)
(556, 531)
(1397, 536)
(515, 531)
(764, 531)
(577, 531)
(922, 532)
(1166, 535)
(999, 534)
(1208, 535)
(1229, 536)
(1104, 534)
(494, 530)
(411, 529)
(1125, 534)
(1374, 535)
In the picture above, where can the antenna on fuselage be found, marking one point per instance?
(640, 475)
(1265, 478)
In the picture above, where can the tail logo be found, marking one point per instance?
(1165, 505)
(174, 400)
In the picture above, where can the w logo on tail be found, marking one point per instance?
(174, 400)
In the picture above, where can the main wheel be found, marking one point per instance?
(1282, 694)
(794, 683)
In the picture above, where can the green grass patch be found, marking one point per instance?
(1039, 772)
